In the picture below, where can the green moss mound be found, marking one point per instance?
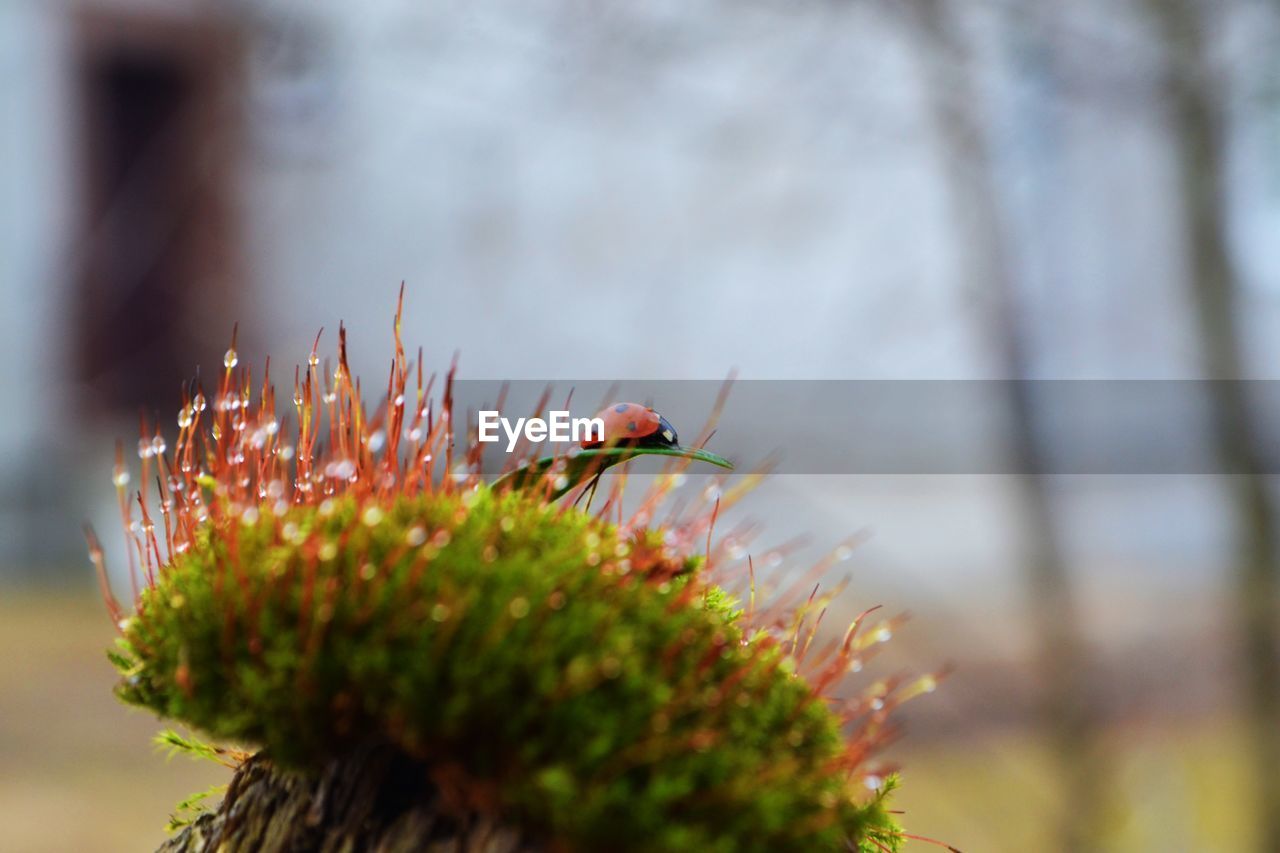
(588, 686)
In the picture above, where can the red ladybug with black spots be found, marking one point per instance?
(632, 425)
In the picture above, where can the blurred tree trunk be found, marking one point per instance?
(1198, 132)
(373, 799)
(1067, 711)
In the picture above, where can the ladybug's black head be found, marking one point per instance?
(665, 435)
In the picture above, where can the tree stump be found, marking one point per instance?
(375, 799)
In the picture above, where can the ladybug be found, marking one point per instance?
(633, 425)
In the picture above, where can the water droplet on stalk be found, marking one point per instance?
(343, 469)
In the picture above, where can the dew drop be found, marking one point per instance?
(231, 359)
(199, 403)
(185, 417)
(844, 552)
(313, 359)
(120, 478)
(342, 469)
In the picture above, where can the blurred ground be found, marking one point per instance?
(79, 774)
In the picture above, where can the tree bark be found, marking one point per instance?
(375, 799)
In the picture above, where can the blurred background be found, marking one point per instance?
(821, 189)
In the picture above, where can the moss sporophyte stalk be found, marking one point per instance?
(580, 674)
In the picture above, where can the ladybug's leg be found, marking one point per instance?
(590, 491)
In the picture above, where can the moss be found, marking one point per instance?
(585, 682)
